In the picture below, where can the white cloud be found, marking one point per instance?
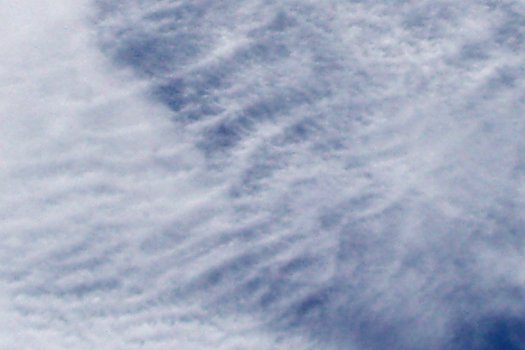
(261, 175)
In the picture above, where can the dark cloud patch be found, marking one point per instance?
(492, 332)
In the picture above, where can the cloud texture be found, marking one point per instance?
(262, 174)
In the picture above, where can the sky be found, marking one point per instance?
(230, 175)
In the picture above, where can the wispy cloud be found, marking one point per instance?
(261, 175)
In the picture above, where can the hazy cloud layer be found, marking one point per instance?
(262, 174)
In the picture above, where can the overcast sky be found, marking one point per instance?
(259, 174)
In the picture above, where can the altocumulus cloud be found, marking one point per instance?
(257, 174)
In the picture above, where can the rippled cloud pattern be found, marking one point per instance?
(208, 174)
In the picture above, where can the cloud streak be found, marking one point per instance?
(262, 175)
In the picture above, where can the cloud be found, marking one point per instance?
(261, 175)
